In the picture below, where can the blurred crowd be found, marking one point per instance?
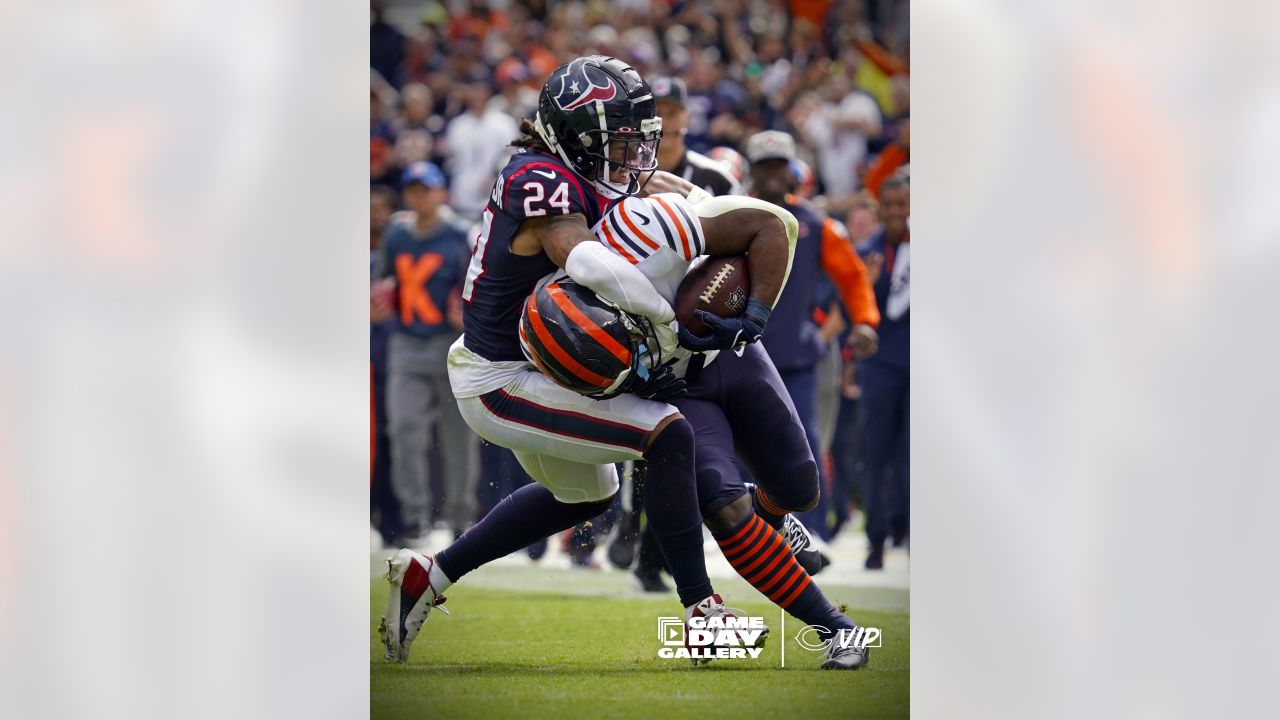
(450, 82)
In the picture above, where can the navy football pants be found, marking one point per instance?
(802, 386)
(885, 428)
(739, 408)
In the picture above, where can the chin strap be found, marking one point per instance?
(642, 371)
(554, 145)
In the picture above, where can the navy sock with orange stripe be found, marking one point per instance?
(761, 556)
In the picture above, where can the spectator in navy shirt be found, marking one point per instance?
(793, 340)
(885, 378)
(424, 255)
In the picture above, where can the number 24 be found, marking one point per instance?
(559, 199)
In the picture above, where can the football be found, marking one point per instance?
(720, 286)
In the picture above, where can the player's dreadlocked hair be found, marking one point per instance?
(530, 139)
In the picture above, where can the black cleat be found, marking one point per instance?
(537, 550)
(802, 546)
(626, 538)
(813, 561)
(650, 580)
(875, 558)
(622, 551)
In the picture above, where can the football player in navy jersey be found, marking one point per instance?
(593, 140)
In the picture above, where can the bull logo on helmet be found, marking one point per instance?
(581, 83)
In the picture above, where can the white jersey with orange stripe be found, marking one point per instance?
(662, 236)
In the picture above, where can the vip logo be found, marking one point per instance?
(581, 83)
(810, 637)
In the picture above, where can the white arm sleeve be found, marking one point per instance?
(616, 280)
(712, 206)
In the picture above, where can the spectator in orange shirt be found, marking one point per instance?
(893, 156)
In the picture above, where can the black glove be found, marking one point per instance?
(660, 383)
(728, 333)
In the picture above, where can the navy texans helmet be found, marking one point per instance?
(599, 116)
(581, 342)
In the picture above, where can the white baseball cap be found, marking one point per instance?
(771, 145)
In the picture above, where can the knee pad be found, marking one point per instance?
(675, 438)
(600, 492)
(607, 488)
(798, 490)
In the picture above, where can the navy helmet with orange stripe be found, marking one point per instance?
(582, 342)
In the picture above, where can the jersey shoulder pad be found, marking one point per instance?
(637, 228)
(534, 185)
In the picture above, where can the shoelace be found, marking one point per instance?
(438, 602)
(795, 535)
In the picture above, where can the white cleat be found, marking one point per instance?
(409, 602)
(850, 656)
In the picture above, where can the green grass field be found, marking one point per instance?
(506, 653)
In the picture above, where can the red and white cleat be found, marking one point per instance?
(409, 602)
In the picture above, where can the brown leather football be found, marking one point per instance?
(720, 286)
